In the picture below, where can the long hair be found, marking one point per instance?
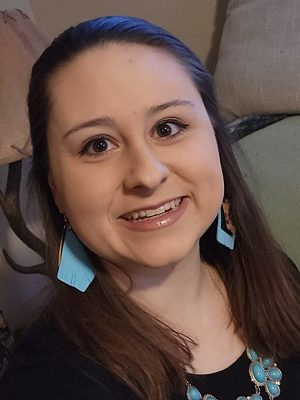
(106, 325)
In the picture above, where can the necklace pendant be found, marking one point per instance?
(192, 393)
(273, 389)
(258, 374)
(264, 373)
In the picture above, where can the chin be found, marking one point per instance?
(165, 255)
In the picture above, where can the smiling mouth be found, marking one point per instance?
(141, 215)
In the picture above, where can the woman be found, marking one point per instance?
(169, 284)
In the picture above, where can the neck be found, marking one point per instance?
(179, 294)
(168, 291)
(189, 297)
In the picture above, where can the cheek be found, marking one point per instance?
(207, 183)
(81, 189)
(202, 163)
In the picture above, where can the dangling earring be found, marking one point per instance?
(74, 264)
(226, 229)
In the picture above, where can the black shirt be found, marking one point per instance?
(44, 366)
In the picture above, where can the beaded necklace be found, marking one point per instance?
(263, 372)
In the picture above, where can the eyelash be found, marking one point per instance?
(181, 128)
(85, 150)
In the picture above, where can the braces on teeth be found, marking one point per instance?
(143, 214)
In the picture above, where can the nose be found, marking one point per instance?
(146, 171)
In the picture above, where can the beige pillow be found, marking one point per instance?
(20, 44)
(270, 162)
(258, 68)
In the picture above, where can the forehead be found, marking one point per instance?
(115, 56)
(113, 74)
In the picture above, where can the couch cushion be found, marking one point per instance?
(20, 45)
(259, 59)
(269, 159)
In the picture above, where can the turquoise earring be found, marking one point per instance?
(74, 264)
(225, 237)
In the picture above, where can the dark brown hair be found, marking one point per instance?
(263, 287)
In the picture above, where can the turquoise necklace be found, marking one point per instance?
(263, 373)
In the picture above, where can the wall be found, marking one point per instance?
(23, 5)
(197, 22)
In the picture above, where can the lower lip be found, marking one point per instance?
(159, 221)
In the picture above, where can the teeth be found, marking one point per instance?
(135, 215)
(160, 210)
(167, 206)
(150, 213)
(173, 204)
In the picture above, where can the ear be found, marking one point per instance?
(54, 191)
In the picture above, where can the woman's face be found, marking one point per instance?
(134, 163)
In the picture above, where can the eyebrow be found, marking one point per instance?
(96, 122)
(107, 121)
(173, 103)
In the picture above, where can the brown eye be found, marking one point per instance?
(167, 129)
(170, 129)
(97, 147)
(164, 129)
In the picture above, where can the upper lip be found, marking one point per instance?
(151, 206)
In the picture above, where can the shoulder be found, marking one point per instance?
(44, 365)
